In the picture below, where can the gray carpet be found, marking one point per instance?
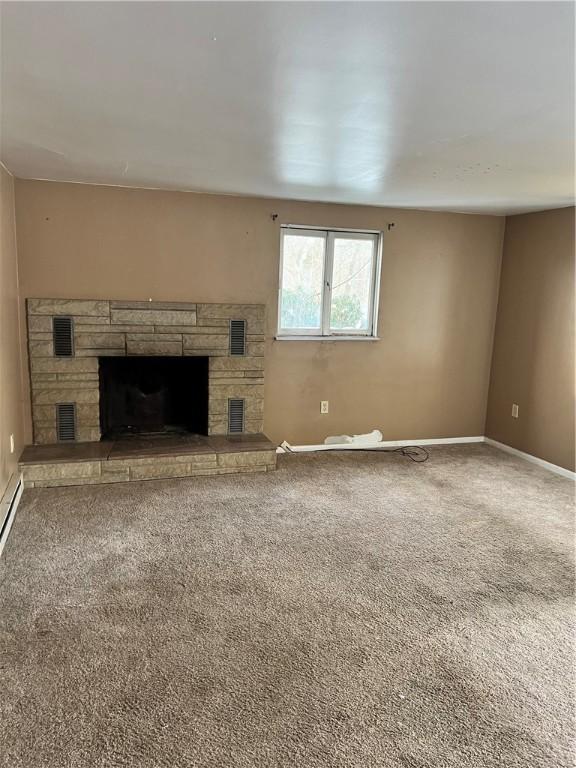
(349, 610)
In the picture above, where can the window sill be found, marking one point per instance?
(326, 338)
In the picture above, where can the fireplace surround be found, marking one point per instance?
(67, 372)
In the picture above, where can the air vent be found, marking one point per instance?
(63, 336)
(235, 416)
(66, 421)
(237, 337)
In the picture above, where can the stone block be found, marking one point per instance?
(218, 390)
(112, 474)
(77, 377)
(246, 459)
(255, 349)
(39, 378)
(204, 341)
(84, 307)
(221, 378)
(240, 363)
(39, 323)
(196, 352)
(44, 414)
(44, 434)
(153, 317)
(101, 352)
(220, 322)
(47, 396)
(225, 376)
(102, 323)
(207, 459)
(88, 413)
(116, 328)
(170, 335)
(68, 481)
(99, 340)
(88, 434)
(76, 469)
(253, 426)
(153, 305)
(159, 347)
(40, 349)
(64, 365)
(158, 471)
(168, 330)
(200, 330)
(70, 385)
(217, 426)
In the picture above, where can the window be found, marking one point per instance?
(328, 283)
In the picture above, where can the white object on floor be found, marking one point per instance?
(368, 439)
(286, 447)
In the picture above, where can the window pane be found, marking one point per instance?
(302, 278)
(352, 284)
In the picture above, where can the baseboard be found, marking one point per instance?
(383, 444)
(8, 506)
(533, 459)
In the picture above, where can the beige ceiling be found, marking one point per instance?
(459, 106)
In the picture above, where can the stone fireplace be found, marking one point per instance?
(182, 366)
(127, 390)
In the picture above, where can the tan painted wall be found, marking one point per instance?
(533, 362)
(427, 376)
(11, 418)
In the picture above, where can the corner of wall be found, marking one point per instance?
(11, 389)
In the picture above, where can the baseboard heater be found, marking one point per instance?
(8, 506)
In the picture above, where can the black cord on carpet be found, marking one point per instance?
(415, 453)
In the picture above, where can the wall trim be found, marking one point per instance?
(531, 458)
(8, 506)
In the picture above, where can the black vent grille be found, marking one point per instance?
(66, 421)
(237, 337)
(235, 416)
(63, 336)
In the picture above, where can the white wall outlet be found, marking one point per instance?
(323, 406)
(11, 443)
(514, 411)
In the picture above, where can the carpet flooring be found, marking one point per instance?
(351, 610)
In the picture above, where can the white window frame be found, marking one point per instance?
(324, 332)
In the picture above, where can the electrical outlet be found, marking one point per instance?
(323, 406)
(514, 411)
(11, 443)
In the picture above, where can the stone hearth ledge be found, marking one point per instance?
(128, 460)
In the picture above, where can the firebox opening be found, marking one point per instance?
(153, 395)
